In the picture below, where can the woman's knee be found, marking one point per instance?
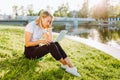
(56, 43)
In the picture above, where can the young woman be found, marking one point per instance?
(38, 42)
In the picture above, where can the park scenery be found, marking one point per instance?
(92, 20)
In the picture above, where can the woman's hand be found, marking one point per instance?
(47, 38)
(46, 42)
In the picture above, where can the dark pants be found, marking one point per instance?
(54, 48)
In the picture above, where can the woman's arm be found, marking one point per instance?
(49, 32)
(48, 36)
(28, 41)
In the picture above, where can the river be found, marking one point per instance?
(109, 35)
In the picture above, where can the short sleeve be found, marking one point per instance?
(29, 28)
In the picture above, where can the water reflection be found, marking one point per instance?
(109, 35)
(104, 34)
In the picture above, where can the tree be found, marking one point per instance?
(57, 13)
(40, 11)
(114, 10)
(30, 10)
(15, 10)
(72, 14)
(84, 11)
(22, 11)
(100, 11)
(117, 10)
(62, 11)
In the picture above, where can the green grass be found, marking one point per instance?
(92, 64)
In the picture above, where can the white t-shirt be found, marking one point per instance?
(35, 30)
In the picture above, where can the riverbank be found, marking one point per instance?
(110, 50)
(113, 51)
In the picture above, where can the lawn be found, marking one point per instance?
(92, 64)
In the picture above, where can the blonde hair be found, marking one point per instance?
(44, 14)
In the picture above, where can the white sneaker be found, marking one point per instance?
(64, 66)
(73, 71)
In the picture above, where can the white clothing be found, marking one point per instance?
(36, 31)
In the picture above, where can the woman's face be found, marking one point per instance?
(46, 22)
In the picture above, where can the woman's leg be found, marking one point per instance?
(70, 69)
(57, 52)
(65, 58)
(37, 52)
(68, 62)
(45, 49)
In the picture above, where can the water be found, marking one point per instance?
(109, 35)
(105, 34)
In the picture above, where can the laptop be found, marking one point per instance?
(60, 36)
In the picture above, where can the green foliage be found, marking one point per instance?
(92, 64)
(114, 11)
(84, 11)
(15, 10)
(30, 10)
(40, 11)
(62, 11)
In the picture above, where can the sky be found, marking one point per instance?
(6, 5)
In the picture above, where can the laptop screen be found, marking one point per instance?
(60, 36)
